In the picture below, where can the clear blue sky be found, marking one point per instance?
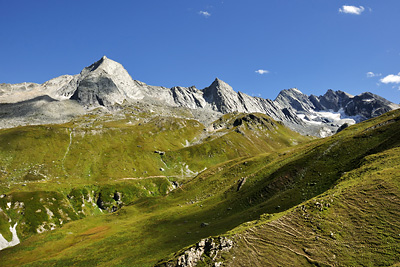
(313, 45)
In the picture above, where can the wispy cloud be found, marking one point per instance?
(370, 74)
(391, 78)
(352, 10)
(262, 71)
(204, 14)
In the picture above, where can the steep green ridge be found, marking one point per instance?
(247, 186)
(355, 224)
(277, 182)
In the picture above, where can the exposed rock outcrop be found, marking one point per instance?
(208, 249)
(110, 203)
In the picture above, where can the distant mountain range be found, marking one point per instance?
(107, 86)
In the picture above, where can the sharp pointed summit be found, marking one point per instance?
(220, 85)
(222, 97)
(106, 65)
(105, 83)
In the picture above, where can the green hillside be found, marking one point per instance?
(281, 198)
(279, 184)
(357, 223)
(54, 174)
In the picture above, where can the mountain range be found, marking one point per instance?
(107, 86)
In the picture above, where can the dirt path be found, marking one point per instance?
(142, 178)
(66, 152)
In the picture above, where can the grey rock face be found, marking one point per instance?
(39, 110)
(107, 84)
(222, 98)
(188, 97)
(333, 100)
(333, 109)
(208, 247)
(13, 93)
(295, 99)
(368, 105)
(103, 83)
(363, 106)
(97, 90)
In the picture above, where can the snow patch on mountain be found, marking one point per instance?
(329, 116)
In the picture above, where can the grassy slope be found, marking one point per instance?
(355, 224)
(91, 150)
(66, 177)
(93, 153)
(153, 228)
(277, 182)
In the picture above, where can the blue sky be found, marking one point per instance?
(257, 46)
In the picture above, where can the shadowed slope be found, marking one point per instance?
(268, 184)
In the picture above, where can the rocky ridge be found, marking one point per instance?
(106, 84)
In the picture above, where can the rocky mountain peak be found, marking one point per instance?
(291, 92)
(294, 91)
(331, 94)
(294, 98)
(105, 83)
(368, 105)
(221, 97)
(219, 85)
(106, 65)
(332, 100)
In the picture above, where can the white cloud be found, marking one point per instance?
(205, 14)
(352, 10)
(391, 78)
(370, 74)
(262, 71)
